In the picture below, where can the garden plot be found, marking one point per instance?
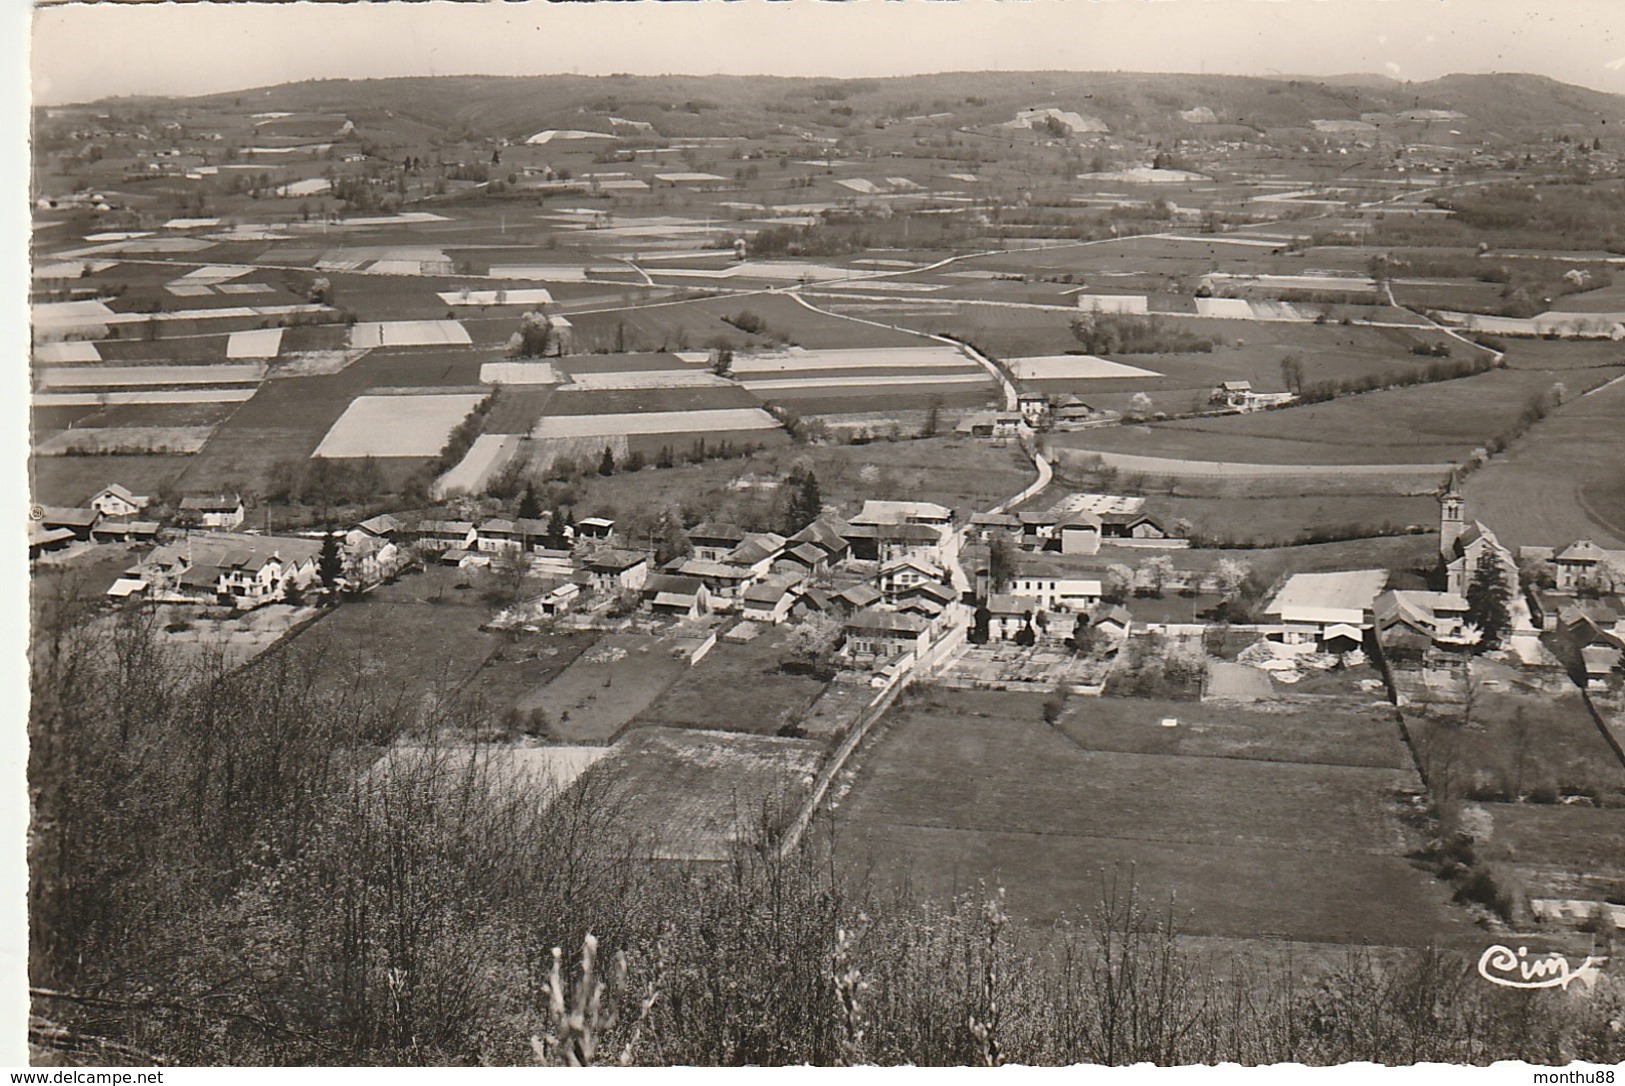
(877, 358)
(157, 395)
(655, 422)
(543, 273)
(520, 373)
(693, 795)
(138, 376)
(259, 343)
(126, 441)
(389, 426)
(647, 379)
(522, 296)
(409, 334)
(1113, 303)
(1058, 366)
(820, 382)
(211, 274)
(489, 454)
(67, 351)
(605, 687)
(1235, 309)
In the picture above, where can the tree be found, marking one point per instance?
(1159, 571)
(606, 463)
(723, 364)
(1119, 582)
(814, 639)
(330, 563)
(1027, 637)
(1001, 562)
(1139, 406)
(933, 417)
(529, 507)
(1083, 638)
(1292, 373)
(534, 338)
(1232, 575)
(671, 542)
(1487, 604)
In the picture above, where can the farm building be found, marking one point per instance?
(826, 533)
(1130, 526)
(595, 529)
(991, 424)
(1114, 622)
(77, 522)
(124, 530)
(675, 596)
(885, 542)
(43, 540)
(985, 526)
(1326, 611)
(725, 582)
(770, 601)
(213, 510)
(1079, 534)
(757, 552)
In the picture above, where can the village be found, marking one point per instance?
(972, 484)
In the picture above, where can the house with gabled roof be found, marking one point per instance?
(770, 601)
(611, 571)
(874, 635)
(712, 540)
(1578, 565)
(675, 596)
(1330, 612)
(213, 510)
(117, 501)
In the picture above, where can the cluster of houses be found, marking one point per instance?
(114, 515)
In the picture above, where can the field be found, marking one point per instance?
(1248, 842)
(396, 425)
(594, 698)
(1563, 481)
(737, 688)
(1517, 745)
(1423, 424)
(692, 794)
(962, 473)
(655, 422)
(421, 639)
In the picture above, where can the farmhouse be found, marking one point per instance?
(901, 574)
(369, 559)
(1417, 621)
(873, 635)
(1582, 565)
(985, 526)
(712, 539)
(1231, 393)
(991, 424)
(1037, 528)
(899, 512)
(243, 570)
(559, 599)
(438, 536)
(1114, 622)
(1326, 611)
(1034, 408)
(757, 553)
(1008, 615)
(612, 572)
(116, 501)
(827, 533)
(725, 582)
(929, 598)
(1054, 589)
(213, 510)
(884, 542)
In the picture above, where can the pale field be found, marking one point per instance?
(519, 373)
(260, 343)
(386, 426)
(634, 379)
(409, 334)
(934, 379)
(129, 376)
(659, 422)
(852, 359)
(164, 395)
(1052, 366)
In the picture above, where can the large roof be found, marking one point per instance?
(1328, 597)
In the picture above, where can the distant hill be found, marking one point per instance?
(411, 109)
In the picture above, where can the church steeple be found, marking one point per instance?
(1452, 518)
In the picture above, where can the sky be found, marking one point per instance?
(83, 51)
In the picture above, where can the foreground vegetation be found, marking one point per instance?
(221, 873)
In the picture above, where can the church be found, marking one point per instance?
(1466, 547)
